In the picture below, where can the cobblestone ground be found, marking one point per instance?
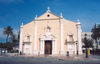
(49, 60)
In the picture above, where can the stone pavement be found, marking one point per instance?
(79, 57)
(93, 59)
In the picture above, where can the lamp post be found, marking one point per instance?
(77, 49)
(86, 47)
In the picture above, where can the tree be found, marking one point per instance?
(9, 46)
(14, 40)
(96, 33)
(87, 44)
(8, 31)
(18, 36)
(11, 37)
(1, 47)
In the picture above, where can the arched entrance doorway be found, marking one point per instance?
(47, 44)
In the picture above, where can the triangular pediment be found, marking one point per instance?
(48, 15)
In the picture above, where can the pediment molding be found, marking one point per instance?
(48, 36)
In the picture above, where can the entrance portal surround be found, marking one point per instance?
(44, 38)
(48, 47)
(71, 48)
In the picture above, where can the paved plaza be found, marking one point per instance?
(93, 59)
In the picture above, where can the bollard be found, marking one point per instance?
(67, 53)
(88, 51)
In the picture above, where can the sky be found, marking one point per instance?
(14, 12)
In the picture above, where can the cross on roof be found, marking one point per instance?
(48, 9)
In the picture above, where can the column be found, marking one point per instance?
(61, 34)
(54, 47)
(21, 39)
(35, 51)
(31, 51)
(75, 48)
(79, 37)
(42, 47)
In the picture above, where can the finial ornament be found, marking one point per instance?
(22, 24)
(78, 21)
(36, 16)
(61, 15)
(48, 9)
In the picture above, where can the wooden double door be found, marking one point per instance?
(48, 47)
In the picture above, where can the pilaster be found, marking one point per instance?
(21, 39)
(54, 51)
(61, 35)
(35, 52)
(79, 37)
(42, 47)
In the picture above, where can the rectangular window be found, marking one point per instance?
(28, 38)
(70, 38)
(99, 42)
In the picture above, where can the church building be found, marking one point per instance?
(50, 34)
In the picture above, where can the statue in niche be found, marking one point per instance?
(48, 29)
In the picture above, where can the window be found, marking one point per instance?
(48, 15)
(28, 38)
(70, 37)
(99, 42)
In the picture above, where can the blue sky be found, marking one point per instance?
(14, 12)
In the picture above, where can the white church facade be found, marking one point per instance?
(50, 34)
